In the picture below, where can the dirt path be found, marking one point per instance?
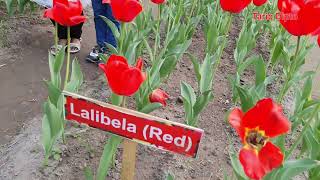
(311, 65)
(24, 66)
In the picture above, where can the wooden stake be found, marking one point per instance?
(128, 160)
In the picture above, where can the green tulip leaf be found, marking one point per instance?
(202, 101)
(293, 168)
(46, 135)
(108, 153)
(196, 66)
(112, 26)
(206, 72)
(245, 98)
(54, 93)
(58, 62)
(88, 173)
(237, 168)
(168, 66)
(151, 107)
(260, 71)
(170, 176)
(276, 51)
(76, 77)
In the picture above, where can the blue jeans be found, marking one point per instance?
(103, 32)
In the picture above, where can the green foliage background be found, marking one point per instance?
(13, 6)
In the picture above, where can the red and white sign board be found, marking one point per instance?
(136, 126)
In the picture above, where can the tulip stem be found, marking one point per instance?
(56, 36)
(230, 18)
(192, 9)
(305, 128)
(124, 102)
(285, 87)
(68, 59)
(122, 36)
(298, 45)
(157, 34)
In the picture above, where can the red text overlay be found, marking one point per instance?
(139, 127)
(278, 16)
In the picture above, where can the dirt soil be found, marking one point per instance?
(23, 92)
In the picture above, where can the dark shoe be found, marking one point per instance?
(93, 56)
(96, 54)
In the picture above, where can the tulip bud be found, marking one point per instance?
(159, 96)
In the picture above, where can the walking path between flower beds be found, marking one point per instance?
(22, 72)
(311, 64)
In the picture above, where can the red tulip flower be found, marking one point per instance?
(255, 128)
(234, 6)
(303, 13)
(159, 96)
(123, 79)
(124, 10)
(66, 13)
(158, 1)
(259, 2)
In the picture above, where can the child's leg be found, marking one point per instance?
(62, 35)
(62, 30)
(103, 32)
(76, 31)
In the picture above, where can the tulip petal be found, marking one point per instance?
(319, 40)
(125, 10)
(158, 1)
(123, 79)
(61, 2)
(251, 164)
(139, 64)
(234, 6)
(48, 13)
(259, 2)
(268, 116)
(102, 66)
(66, 13)
(270, 156)
(131, 81)
(61, 14)
(77, 20)
(75, 8)
(257, 164)
(235, 118)
(115, 58)
(302, 16)
(134, 8)
(114, 68)
(159, 96)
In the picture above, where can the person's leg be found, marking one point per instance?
(75, 34)
(62, 30)
(76, 31)
(62, 35)
(103, 32)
